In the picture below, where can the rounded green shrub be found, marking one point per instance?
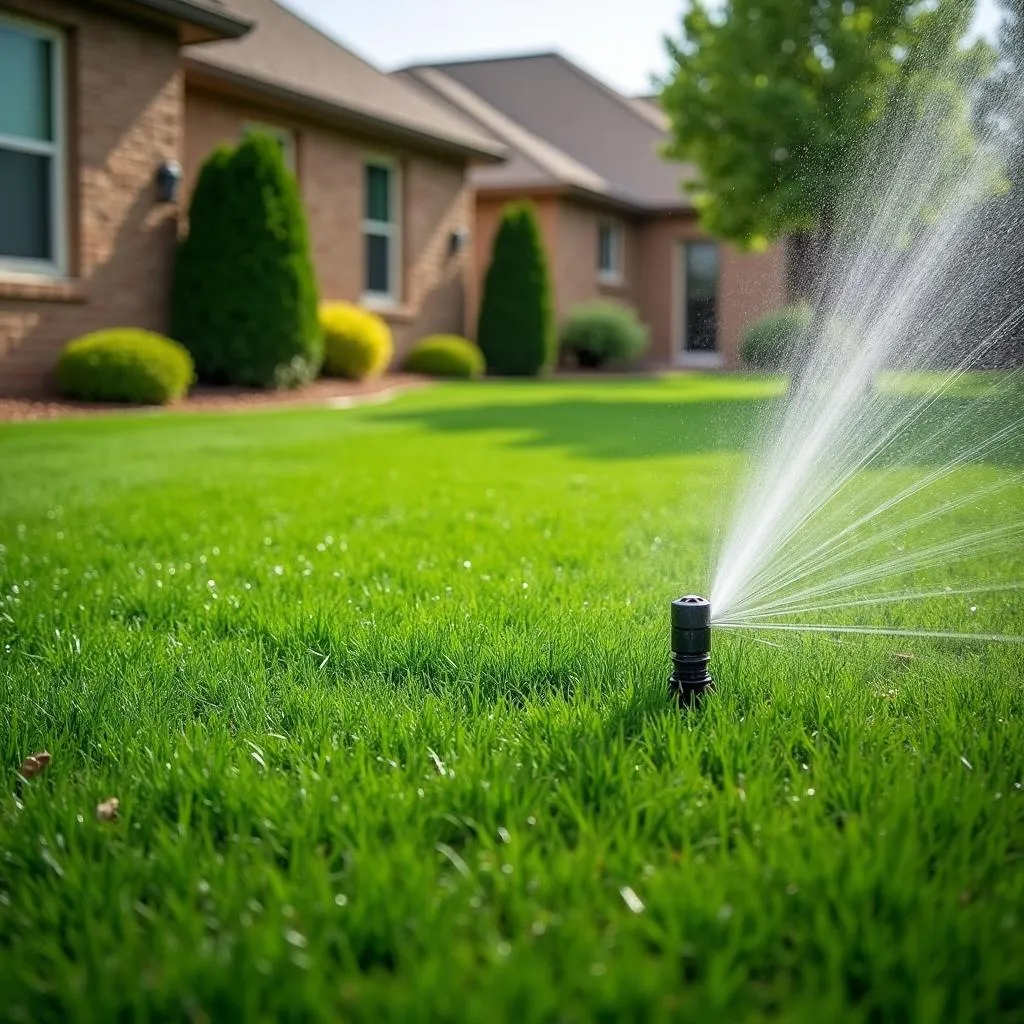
(445, 355)
(357, 342)
(516, 328)
(599, 331)
(124, 364)
(769, 342)
(244, 297)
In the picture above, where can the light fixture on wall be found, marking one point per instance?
(457, 241)
(168, 178)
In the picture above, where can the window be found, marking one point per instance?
(31, 148)
(381, 232)
(285, 139)
(700, 303)
(609, 251)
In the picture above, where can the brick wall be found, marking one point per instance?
(436, 199)
(576, 279)
(750, 284)
(124, 116)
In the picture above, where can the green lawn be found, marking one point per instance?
(382, 694)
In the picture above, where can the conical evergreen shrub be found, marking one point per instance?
(516, 329)
(244, 299)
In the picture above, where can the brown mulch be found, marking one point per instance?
(221, 399)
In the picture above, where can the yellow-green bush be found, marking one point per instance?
(445, 355)
(357, 343)
(124, 364)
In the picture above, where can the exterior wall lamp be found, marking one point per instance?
(168, 180)
(457, 241)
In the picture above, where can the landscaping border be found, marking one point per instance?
(332, 392)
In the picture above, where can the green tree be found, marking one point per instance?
(244, 298)
(1001, 99)
(773, 101)
(516, 330)
(1000, 116)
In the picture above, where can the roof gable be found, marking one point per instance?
(614, 138)
(283, 52)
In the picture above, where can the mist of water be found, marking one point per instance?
(892, 474)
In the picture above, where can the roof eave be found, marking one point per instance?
(199, 23)
(610, 201)
(202, 72)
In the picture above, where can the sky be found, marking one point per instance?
(619, 41)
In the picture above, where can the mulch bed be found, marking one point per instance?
(224, 399)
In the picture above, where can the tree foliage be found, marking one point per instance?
(1000, 106)
(244, 298)
(516, 330)
(773, 101)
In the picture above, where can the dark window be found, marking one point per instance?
(701, 302)
(25, 204)
(609, 251)
(378, 193)
(378, 279)
(380, 230)
(29, 145)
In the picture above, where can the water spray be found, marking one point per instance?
(691, 649)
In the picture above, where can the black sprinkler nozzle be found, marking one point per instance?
(691, 649)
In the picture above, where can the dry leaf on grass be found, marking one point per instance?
(34, 764)
(107, 811)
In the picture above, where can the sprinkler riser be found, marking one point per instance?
(690, 652)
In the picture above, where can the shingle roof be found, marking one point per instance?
(563, 126)
(290, 58)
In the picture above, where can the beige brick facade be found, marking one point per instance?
(750, 284)
(436, 201)
(127, 109)
(123, 115)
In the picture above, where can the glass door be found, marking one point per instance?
(700, 298)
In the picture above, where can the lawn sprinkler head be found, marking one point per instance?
(691, 649)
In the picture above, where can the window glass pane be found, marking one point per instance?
(25, 92)
(702, 297)
(25, 206)
(378, 276)
(378, 193)
(604, 249)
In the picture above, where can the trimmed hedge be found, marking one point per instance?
(516, 329)
(768, 343)
(244, 298)
(599, 331)
(357, 342)
(125, 364)
(445, 355)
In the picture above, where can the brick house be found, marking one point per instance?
(615, 221)
(106, 93)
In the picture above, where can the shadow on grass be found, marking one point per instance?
(630, 429)
(604, 429)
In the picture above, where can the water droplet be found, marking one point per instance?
(341, 899)
(630, 898)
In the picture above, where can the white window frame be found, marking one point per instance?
(392, 230)
(615, 274)
(55, 150)
(283, 135)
